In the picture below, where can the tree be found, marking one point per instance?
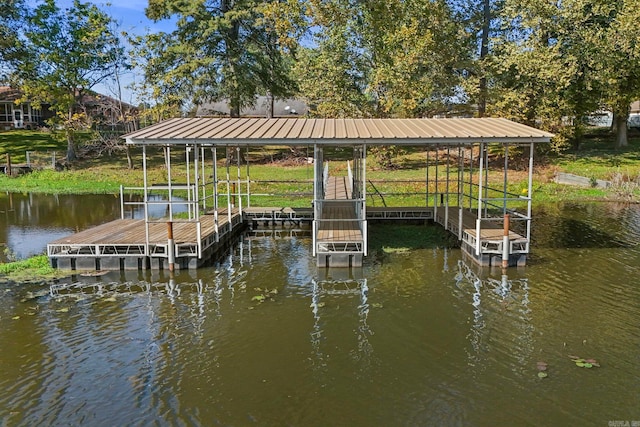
(11, 19)
(221, 49)
(610, 30)
(383, 58)
(69, 51)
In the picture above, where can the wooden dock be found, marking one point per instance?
(123, 243)
(339, 240)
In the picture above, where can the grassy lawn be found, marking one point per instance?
(288, 182)
(18, 142)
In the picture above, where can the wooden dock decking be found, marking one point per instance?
(126, 239)
(339, 222)
(339, 240)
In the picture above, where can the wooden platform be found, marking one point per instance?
(491, 236)
(123, 243)
(339, 240)
(341, 224)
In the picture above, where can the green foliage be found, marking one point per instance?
(386, 155)
(69, 51)
(381, 58)
(219, 50)
(31, 269)
(11, 20)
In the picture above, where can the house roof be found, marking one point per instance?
(281, 108)
(295, 131)
(9, 94)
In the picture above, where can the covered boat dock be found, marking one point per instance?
(492, 223)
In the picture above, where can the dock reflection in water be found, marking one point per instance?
(265, 338)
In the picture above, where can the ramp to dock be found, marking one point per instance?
(339, 234)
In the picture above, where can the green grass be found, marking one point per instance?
(34, 269)
(104, 175)
(18, 142)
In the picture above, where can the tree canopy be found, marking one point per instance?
(67, 53)
(542, 62)
(220, 50)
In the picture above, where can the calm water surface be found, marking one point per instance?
(414, 338)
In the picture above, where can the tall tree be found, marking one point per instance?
(11, 22)
(70, 51)
(399, 58)
(221, 49)
(610, 31)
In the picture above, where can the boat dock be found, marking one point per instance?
(459, 191)
(134, 244)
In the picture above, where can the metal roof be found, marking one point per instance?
(295, 131)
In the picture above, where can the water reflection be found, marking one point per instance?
(500, 307)
(422, 338)
(330, 290)
(29, 221)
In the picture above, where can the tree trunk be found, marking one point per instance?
(71, 146)
(620, 126)
(129, 158)
(270, 105)
(484, 51)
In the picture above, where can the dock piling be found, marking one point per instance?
(171, 252)
(505, 242)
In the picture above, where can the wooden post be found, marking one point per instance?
(171, 249)
(8, 172)
(505, 242)
(233, 194)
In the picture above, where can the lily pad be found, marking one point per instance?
(587, 365)
(580, 364)
(15, 317)
(542, 375)
(259, 298)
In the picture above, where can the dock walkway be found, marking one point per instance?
(339, 238)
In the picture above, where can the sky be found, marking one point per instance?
(130, 16)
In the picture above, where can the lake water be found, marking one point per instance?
(416, 337)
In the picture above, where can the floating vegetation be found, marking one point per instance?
(266, 294)
(584, 363)
(542, 368)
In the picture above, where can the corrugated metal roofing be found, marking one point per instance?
(249, 131)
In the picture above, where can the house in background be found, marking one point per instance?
(19, 116)
(604, 118)
(281, 108)
(103, 110)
